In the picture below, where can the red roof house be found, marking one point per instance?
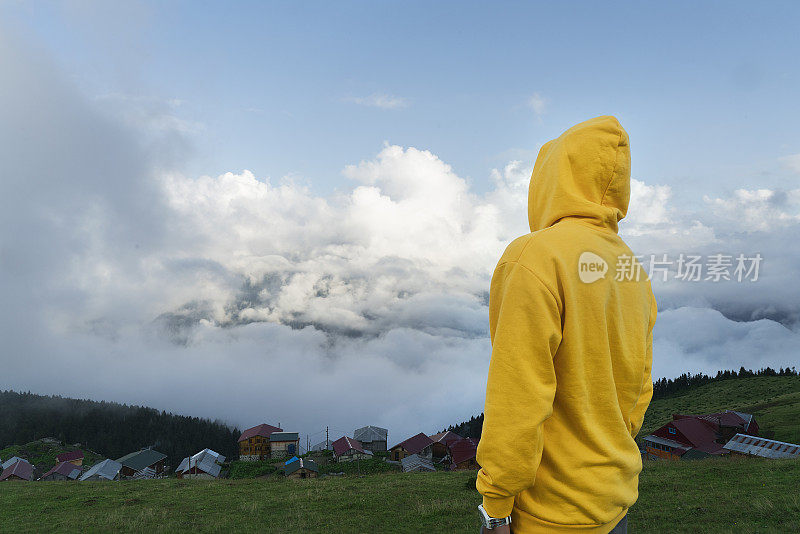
(19, 470)
(441, 441)
(74, 457)
(62, 471)
(420, 444)
(703, 435)
(346, 449)
(462, 454)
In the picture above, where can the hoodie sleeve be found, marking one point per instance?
(637, 416)
(525, 327)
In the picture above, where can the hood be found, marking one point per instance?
(585, 174)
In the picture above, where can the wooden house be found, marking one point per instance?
(73, 457)
(347, 449)
(441, 442)
(372, 438)
(254, 442)
(697, 436)
(62, 471)
(463, 454)
(301, 468)
(420, 445)
(142, 461)
(19, 470)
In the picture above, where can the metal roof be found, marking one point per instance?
(668, 442)
(322, 445)
(11, 461)
(416, 462)
(140, 459)
(462, 450)
(445, 437)
(415, 444)
(767, 448)
(301, 463)
(344, 444)
(107, 469)
(21, 468)
(69, 456)
(263, 430)
(65, 468)
(284, 436)
(206, 461)
(370, 433)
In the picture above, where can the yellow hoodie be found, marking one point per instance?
(571, 317)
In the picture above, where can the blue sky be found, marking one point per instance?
(708, 91)
(196, 186)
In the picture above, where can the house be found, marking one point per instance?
(415, 462)
(301, 468)
(254, 442)
(142, 462)
(62, 471)
(74, 457)
(105, 470)
(19, 470)
(326, 445)
(420, 444)
(348, 449)
(284, 444)
(441, 441)
(204, 464)
(698, 436)
(766, 448)
(372, 438)
(462, 454)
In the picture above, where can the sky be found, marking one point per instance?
(290, 212)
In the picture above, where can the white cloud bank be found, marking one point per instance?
(252, 301)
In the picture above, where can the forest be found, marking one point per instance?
(109, 428)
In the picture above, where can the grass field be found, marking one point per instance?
(710, 496)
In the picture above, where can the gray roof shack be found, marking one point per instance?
(416, 462)
(766, 448)
(370, 433)
(322, 445)
(141, 460)
(11, 461)
(105, 470)
(301, 468)
(284, 436)
(204, 462)
(19, 470)
(62, 471)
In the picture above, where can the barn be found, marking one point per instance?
(766, 448)
(73, 457)
(254, 442)
(420, 445)
(204, 464)
(698, 436)
(145, 462)
(441, 442)
(372, 438)
(105, 470)
(301, 468)
(20, 470)
(463, 454)
(347, 449)
(62, 471)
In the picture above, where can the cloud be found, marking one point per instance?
(538, 104)
(379, 100)
(125, 279)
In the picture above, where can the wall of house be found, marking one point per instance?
(255, 448)
(281, 448)
(350, 456)
(374, 446)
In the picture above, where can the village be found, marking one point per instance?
(686, 437)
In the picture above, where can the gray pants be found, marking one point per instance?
(622, 526)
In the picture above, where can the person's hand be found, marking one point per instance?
(505, 529)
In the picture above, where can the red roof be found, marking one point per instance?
(445, 437)
(415, 444)
(344, 444)
(463, 449)
(69, 456)
(263, 430)
(64, 468)
(21, 469)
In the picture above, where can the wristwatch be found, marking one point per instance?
(490, 522)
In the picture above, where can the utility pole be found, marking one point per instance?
(327, 441)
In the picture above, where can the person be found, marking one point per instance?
(571, 316)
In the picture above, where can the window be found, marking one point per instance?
(672, 430)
